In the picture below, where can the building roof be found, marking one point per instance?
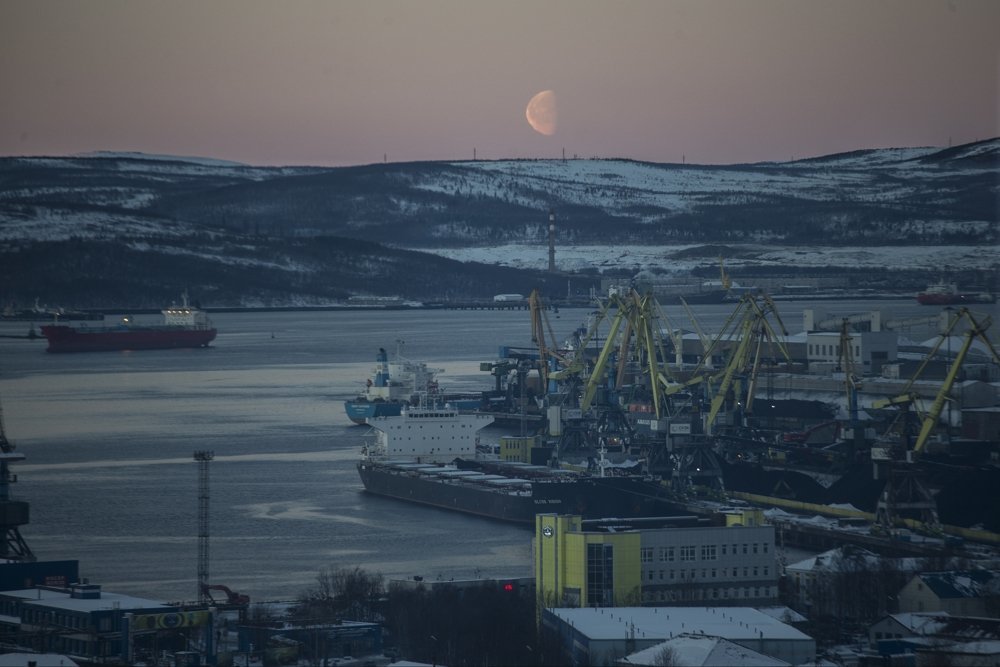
(40, 659)
(985, 648)
(942, 624)
(107, 601)
(961, 584)
(702, 651)
(733, 623)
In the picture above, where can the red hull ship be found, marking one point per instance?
(183, 326)
(948, 294)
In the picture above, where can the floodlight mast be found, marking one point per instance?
(202, 458)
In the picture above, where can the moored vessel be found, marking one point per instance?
(398, 383)
(944, 293)
(428, 455)
(183, 326)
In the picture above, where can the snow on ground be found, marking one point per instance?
(574, 258)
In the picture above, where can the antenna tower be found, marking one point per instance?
(13, 513)
(202, 458)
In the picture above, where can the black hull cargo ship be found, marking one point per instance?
(428, 456)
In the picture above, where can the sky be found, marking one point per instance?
(345, 82)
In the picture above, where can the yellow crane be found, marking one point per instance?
(747, 331)
(905, 489)
(636, 320)
(976, 331)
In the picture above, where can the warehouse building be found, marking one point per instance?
(600, 636)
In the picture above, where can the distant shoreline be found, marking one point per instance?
(91, 313)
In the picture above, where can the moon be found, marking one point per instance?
(541, 113)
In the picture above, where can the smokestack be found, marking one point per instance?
(552, 241)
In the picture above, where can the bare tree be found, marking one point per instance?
(666, 657)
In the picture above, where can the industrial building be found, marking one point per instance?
(84, 622)
(684, 560)
(600, 636)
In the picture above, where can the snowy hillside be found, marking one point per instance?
(887, 217)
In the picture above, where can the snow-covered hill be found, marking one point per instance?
(908, 211)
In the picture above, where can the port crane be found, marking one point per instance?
(748, 331)
(14, 513)
(636, 321)
(904, 487)
(852, 384)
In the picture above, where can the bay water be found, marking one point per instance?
(109, 439)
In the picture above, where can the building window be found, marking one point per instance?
(600, 575)
(647, 554)
(764, 545)
(755, 547)
(744, 549)
(687, 553)
(723, 549)
(708, 552)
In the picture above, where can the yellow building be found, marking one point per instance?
(629, 562)
(585, 569)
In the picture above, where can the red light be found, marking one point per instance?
(508, 587)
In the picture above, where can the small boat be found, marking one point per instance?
(944, 293)
(183, 326)
(398, 383)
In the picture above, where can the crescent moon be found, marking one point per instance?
(541, 113)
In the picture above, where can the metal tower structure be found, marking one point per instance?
(552, 241)
(13, 513)
(202, 458)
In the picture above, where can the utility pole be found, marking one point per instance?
(202, 458)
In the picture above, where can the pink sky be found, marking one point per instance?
(338, 82)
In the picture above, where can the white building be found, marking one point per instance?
(603, 635)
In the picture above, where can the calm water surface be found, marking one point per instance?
(109, 439)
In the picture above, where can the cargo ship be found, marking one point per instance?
(429, 456)
(399, 383)
(947, 294)
(183, 326)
